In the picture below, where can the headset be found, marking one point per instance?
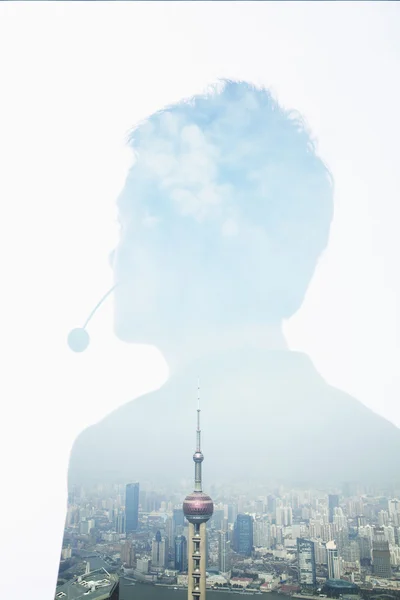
(78, 338)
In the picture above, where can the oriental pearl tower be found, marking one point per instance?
(198, 509)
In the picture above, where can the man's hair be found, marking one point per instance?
(234, 157)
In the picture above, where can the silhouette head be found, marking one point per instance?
(223, 216)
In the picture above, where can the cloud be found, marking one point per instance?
(228, 154)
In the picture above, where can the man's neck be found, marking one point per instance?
(199, 345)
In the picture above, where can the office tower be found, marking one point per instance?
(120, 522)
(279, 515)
(271, 504)
(390, 535)
(394, 511)
(143, 565)
(131, 507)
(261, 534)
(383, 518)
(361, 521)
(365, 545)
(332, 560)
(178, 517)
(287, 516)
(127, 554)
(232, 513)
(351, 552)
(306, 562)
(333, 502)
(170, 535)
(381, 554)
(224, 552)
(181, 554)
(158, 551)
(198, 509)
(243, 535)
(217, 519)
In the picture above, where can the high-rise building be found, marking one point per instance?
(394, 511)
(306, 562)
(224, 552)
(351, 552)
(120, 522)
(178, 517)
(261, 534)
(243, 535)
(381, 554)
(131, 507)
(383, 518)
(143, 565)
(158, 551)
(181, 554)
(333, 502)
(232, 513)
(170, 535)
(217, 519)
(365, 545)
(198, 509)
(128, 553)
(333, 560)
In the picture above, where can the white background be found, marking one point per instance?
(74, 78)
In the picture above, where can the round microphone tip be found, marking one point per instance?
(78, 339)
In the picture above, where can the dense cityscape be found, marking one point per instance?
(286, 540)
(296, 542)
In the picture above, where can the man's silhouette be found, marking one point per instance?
(223, 218)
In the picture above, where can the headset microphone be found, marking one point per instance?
(78, 338)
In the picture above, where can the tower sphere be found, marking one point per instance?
(198, 507)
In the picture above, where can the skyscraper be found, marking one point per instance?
(131, 507)
(198, 509)
(261, 533)
(181, 562)
(120, 522)
(381, 554)
(127, 553)
(243, 535)
(158, 551)
(224, 552)
(178, 517)
(333, 560)
(306, 561)
(333, 502)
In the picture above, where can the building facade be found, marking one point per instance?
(243, 535)
(381, 554)
(333, 502)
(306, 563)
(131, 507)
(224, 552)
(158, 551)
(181, 554)
(332, 557)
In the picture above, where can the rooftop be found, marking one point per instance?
(97, 585)
(341, 583)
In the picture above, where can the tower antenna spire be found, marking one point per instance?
(198, 431)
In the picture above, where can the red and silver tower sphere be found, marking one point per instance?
(198, 507)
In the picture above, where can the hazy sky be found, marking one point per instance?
(76, 76)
